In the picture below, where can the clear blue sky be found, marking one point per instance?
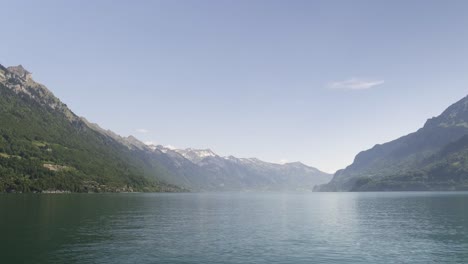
(314, 81)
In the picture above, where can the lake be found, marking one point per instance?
(412, 227)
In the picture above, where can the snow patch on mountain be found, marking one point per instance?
(196, 155)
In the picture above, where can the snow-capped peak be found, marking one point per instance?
(196, 155)
(153, 146)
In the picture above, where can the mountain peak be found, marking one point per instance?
(20, 71)
(407, 163)
(455, 115)
(196, 155)
(295, 163)
(19, 80)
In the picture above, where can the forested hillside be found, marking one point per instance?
(44, 146)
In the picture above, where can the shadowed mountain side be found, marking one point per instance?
(431, 158)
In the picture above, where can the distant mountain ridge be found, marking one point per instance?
(204, 170)
(418, 161)
(195, 155)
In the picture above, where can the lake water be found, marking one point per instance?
(235, 228)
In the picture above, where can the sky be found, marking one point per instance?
(283, 81)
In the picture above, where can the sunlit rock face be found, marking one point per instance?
(20, 80)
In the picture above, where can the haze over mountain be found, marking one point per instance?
(433, 158)
(45, 146)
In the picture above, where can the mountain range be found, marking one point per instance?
(44, 146)
(204, 170)
(214, 172)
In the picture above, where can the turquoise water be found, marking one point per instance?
(235, 228)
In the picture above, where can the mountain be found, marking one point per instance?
(44, 146)
(195, 155)
(204, 170)
(433, 158)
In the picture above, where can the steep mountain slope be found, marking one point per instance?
(45, 146)
(418, 161)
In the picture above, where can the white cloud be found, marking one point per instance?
(355, 84)
(150, 143)
(283, 161)
(142, 130)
